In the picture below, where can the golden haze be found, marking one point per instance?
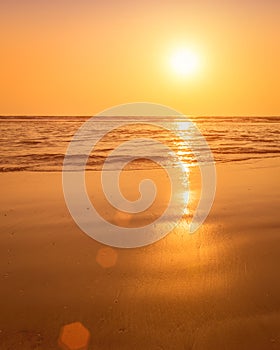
(78, 59)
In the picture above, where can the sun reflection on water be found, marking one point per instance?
(188, 165)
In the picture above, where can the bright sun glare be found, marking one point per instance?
(184, 62)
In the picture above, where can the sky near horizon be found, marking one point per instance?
(81, 57)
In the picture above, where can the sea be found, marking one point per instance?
(39, 143)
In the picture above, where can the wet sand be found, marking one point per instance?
(216, 289)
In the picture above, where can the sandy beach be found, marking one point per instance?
(216, 289)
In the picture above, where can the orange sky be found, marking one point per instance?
(80, 57)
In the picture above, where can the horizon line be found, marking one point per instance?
(187, 115)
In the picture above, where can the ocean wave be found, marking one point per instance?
(39, 143)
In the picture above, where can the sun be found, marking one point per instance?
(184, 62)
